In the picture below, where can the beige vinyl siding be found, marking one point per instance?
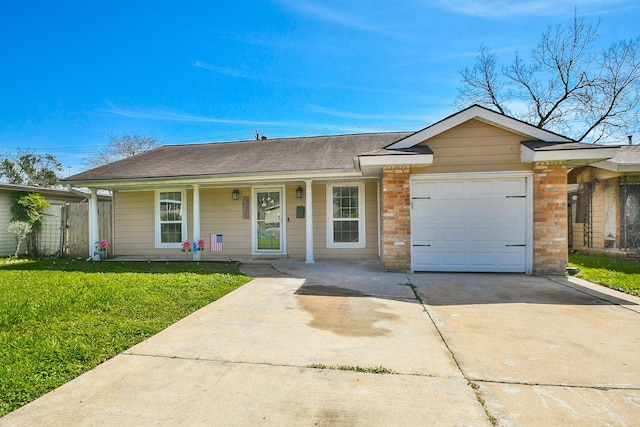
(134, 224)
(320, 226)
(578, 236)
(611, 222)
(320, 221)
(7, 240)
(134, 230)
(601, 211)
(220, 214)
(598, 216)
(474, 146)
(602, 180)
(296, 227)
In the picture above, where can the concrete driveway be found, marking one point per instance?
(288, 348)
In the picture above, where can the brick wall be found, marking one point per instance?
(550, 218)
(396, 219)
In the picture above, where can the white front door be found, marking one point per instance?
(269, 220)
(470, 225)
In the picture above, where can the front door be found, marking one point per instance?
(269, 220)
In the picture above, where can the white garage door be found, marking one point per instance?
(474, 225)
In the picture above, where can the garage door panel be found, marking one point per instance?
(425, 189)
(486, 235)
(431, 210)
(428, 259)
(470, 225)
(513, 258)
(451, 187)
(482, 259)
(431, 259)
(510, 186)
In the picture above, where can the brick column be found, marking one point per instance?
(396, 218)
(550, 246)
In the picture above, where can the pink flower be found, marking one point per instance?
(103, 245)
(201, 245)
(186, 246)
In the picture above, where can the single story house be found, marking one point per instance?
(605, 203)
(58, 232)
(477, 191)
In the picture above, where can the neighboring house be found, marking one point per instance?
(56, 237)
(477, 191)
(606, 203)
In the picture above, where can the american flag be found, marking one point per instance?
(216, 242)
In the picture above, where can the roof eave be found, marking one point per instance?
(577, 156)
(372, 165)
(616, 167)
(397, 159)
(235, 179)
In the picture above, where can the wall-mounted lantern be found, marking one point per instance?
(299, 192)
(235, 194)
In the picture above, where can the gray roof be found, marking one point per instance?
(319, 153)
(627, 155)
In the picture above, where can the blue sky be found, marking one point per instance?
(74, 73)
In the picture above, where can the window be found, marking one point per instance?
(345, 213)
(171, 219)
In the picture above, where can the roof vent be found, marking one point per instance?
(258, 137)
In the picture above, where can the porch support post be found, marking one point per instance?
(196, 218)
(94, 232)
(309, 222)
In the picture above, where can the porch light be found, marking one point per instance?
(235, 194)
(299, 192)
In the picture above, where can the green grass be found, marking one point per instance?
(620, 274)
(60, 319)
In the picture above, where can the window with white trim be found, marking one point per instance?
(171, 218)
(345, 216)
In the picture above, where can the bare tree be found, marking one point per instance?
(566, 86)
(121, 147)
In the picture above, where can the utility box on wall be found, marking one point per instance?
(300, 212)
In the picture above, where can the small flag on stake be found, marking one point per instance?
(216, 242)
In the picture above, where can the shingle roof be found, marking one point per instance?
(627, 155)
(245, 157)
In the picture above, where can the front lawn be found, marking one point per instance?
(620, 274)
(61, 318)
